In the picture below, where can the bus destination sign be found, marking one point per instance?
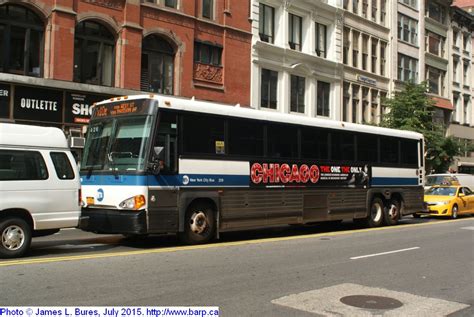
(122, 108)
(306, 175)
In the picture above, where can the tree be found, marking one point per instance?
(412, 109)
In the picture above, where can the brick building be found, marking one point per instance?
(60, 56)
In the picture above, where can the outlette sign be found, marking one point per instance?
(302, 174)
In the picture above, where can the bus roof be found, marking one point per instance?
(186, 104)
(31, 136)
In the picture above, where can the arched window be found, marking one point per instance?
(157, 65)
(21, 41)
(94, 47)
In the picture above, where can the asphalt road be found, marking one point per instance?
(419, 268)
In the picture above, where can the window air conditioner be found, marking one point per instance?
(77, 142)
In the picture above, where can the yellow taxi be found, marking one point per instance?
(449, 201)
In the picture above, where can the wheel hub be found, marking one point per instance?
(393, 212)
(198, 222)
(13, 238)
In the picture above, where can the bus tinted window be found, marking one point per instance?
(409, 152)
(203, 134)
(389, 150)
(367, 148)
(245, 137)
(282, 141)
(314, 144)
(342, 146)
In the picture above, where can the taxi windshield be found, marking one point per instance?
(441, 191)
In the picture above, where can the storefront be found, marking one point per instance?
(66, 109)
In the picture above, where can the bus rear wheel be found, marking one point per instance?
(199, 224)
(392, 212)
(376, 213)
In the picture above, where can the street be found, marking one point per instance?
(420, 267)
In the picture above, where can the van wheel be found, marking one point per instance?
(15, 237)
(199, 224)
(376, 213)
(392, 213)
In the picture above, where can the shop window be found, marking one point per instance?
(157, 69)
(21, 41)
(94, 47)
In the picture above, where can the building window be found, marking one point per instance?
(207, 8)
(323, 99)
(365, 52)
(374, 55)
(355, 6)
(268, 91)
(355, 102)
(345, 4)
(407, 68)
(295, 32)
(297, 93)
(374, 10)
(266, 23)
(346, 45)
(455, 70)
(346, 99)
(465, 41)
(365, 8)
(365, 105)
(157, 65)
(383, 11)
(94, 47)
(207, 54)
(321, 41)
(407, 29)
(383, 58)
(355, 49)
(436, 11)
(435, 79)
(374, 107)
(171, 3)
(411, 3)
(435, 43)
(466, 119)
(21, 41)
(466, 73)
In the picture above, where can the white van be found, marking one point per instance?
(466, 180)
(39, 186)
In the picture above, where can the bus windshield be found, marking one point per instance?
(117, 144)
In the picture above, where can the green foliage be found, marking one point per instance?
(412, 109)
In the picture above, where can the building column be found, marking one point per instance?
(284, 92)
(59, 42)
(311, 96)
(369, 52)
(351, 45)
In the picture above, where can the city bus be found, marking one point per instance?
(161, 164)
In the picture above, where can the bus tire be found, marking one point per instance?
(392, 212)
(15, 235)
(454, 212)
(199, 224)
(376, 213)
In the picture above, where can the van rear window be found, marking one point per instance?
(22, 166)
(62, 166)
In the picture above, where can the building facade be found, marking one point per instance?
(60, 56)
(296, 53)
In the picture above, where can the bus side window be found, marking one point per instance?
(167, 139)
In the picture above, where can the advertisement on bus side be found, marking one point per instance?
(308, 174)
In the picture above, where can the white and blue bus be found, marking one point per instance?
(161, 164)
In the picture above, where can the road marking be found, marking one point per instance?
(468, 228)
(382, 253)
(217, 245)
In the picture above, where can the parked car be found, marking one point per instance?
(450, 179)
(449, 201)
(39, 186)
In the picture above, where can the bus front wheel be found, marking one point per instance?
(199, 224)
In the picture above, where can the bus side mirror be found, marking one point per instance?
(154, 168)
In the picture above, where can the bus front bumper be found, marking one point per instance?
(113, 221)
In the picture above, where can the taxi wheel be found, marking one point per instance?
(454, 212)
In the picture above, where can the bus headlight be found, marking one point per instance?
(133, 203)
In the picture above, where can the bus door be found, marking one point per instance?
(163, 188)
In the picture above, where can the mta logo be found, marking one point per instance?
(100, 194)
